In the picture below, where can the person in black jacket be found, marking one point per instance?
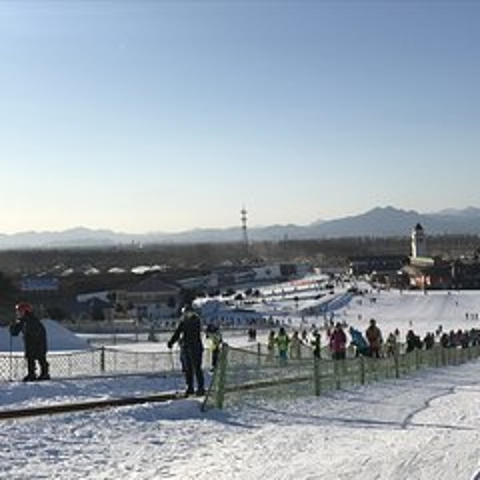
(35, 341)
(189, 333)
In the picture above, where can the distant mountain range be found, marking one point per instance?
(378, 222)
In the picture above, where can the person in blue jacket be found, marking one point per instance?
(359, 342)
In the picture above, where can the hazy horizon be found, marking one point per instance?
(238, 226)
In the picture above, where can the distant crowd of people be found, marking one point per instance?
(286, 346)
(341, 340)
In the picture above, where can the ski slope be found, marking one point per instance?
(413, 309)
(315, 305)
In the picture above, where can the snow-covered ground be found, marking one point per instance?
(423, 427)
(426, 426)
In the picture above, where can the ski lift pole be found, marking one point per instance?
(11, 358)
(174, 375)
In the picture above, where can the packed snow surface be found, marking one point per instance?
(425, 426)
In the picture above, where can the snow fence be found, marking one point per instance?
(103, 361)
(245, 374)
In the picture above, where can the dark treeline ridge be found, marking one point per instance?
(318, 252)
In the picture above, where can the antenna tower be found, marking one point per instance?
(243, 213)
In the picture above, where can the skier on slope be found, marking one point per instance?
(35, 341)
(295, 346)
(271, 342)
(282, 341)
(215, 336)
(374, 337)
(359, 342)
(317, 344)
(189, 332)
(392, 344)
(338, 343)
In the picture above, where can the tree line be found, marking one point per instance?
(319, 252)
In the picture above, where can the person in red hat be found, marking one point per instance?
(35, 341)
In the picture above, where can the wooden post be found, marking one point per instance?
(396, 362)
(361, 359)
(222, 370)
(336, 374)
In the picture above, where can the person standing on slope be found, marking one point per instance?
(338, 343)
(375, 339)
(359, 342)
(317, 344)
(215, 336)
(189, 331)
(271, 342)
(295, 346)
(283, 341)
(34, 339)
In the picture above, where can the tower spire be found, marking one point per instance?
(243, 217)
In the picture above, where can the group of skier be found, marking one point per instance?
(285, 346)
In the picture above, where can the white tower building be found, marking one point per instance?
(419, 246)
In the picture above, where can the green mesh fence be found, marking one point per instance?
(253, 373)
(243, 372)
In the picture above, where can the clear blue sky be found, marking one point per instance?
(169, 115)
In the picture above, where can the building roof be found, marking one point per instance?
(422, 261)
(432, 269)
(154, 284)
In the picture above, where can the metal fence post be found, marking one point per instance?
(11, 357)
(102, 359)
(396, 361)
